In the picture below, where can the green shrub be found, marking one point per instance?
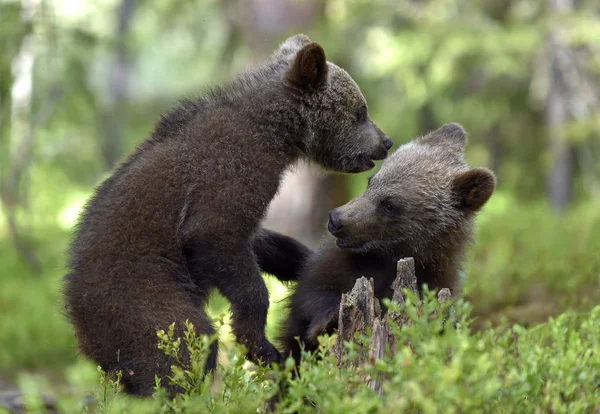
(529, 263)
(554, 367)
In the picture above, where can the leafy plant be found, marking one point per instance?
(439, 367)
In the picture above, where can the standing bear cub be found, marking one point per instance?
(181, 215)
(421, 204)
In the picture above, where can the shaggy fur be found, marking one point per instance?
(279, 255)
(180, 216)
(421, 204)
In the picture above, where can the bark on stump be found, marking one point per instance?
(360, 310)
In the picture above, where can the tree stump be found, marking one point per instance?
(360, 310)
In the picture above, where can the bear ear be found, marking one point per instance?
(293, 44)
(474, 188)
(309, 69)
(451, 135)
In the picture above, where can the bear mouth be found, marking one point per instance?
(364, 163)
(347, 244)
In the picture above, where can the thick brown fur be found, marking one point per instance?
(180, 217)
(420, 204)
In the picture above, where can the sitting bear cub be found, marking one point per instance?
(420, 204)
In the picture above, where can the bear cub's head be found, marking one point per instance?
(341, 137)
(423, 198)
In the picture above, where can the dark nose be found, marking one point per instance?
(335, 223)
(381, 153)
(387, 143)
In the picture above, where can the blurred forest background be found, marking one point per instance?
(82, 83)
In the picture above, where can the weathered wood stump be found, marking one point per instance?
(360, 310)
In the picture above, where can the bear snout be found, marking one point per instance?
(380, 153)
(335, 223)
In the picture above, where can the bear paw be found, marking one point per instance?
(265, 353)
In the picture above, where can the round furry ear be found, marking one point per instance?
(474, 187)
(452, 135)
(309, 70)
(293, 44)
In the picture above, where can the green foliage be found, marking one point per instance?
(438, 367)
(237, 388)
(482, 63)
(108, 390)
(187, 374)
(34, 332)
(529, 263)
(33, 388)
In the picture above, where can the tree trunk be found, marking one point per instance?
(19, 128)
(573, 95)
(114, 119)
(560, 181)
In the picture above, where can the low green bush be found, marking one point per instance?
(553, 367)
(529, 263)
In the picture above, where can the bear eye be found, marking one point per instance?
(388, 207)
(361, 113)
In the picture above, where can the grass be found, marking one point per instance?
(34, 333)
(530, 263)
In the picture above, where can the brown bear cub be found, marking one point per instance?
(421, 204)
(180, 217)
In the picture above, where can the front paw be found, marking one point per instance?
(265, 353)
